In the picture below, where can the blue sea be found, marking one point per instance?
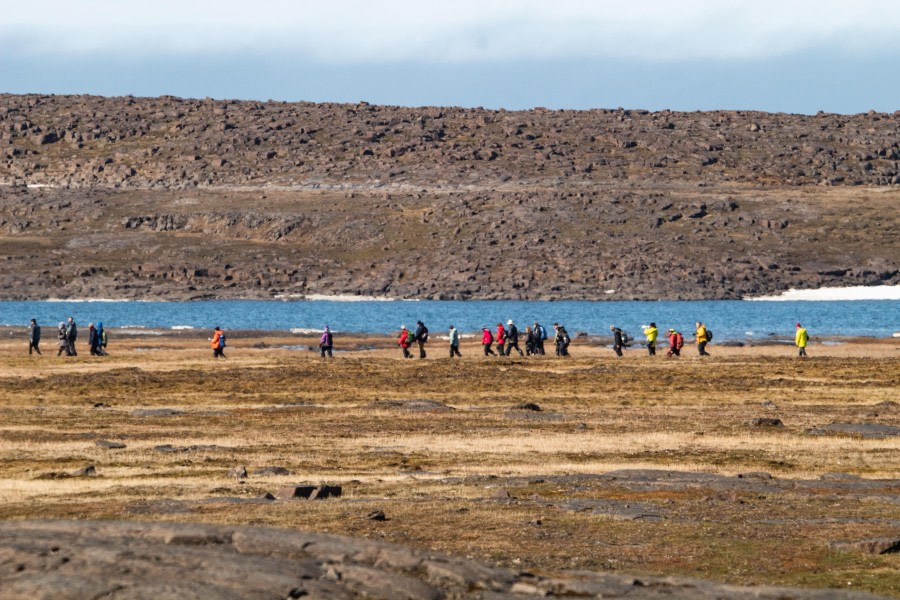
(729, 319)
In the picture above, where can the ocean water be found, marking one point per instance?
(729, 319)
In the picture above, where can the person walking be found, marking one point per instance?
(63, 340)
(512, 338)
(540, 336)
(676, 342)
(405, 341)
(421, 337)
(71, 336)
(501, 339)
(618, 340)
(218, 343)
(530, 342)
(652, 333)
(93, 341)
(562, 340)
(102, 339)
(34, 337)
(487, 340)
(702, 336)
(454, 342)
(801, 339)
(326, 342)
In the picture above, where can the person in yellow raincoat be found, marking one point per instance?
(801, 339)
(652, 333)
(702, 339)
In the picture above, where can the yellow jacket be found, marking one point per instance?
(701, 334)
(801, 338)
(651, 333)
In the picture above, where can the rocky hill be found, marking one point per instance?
(171, 198)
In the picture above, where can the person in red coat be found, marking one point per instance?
(501, 338)
(676, 342)
(487, 340)
(405, 341)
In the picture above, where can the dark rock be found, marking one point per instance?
(527, 406)
(766, 422)
(376, 515)
(110, 445)
(266, 496)
(88, 471)
(309, 492)
(755, 475)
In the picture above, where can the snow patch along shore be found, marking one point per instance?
(861, 292)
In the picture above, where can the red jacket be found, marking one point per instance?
(487, 337)
(676, 340)
(404, 339)
(501, 335)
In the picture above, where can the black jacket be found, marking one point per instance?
(617, 338)
(421, 333)
(512, 334)
(34, 334)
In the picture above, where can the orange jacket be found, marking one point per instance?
(215, 340)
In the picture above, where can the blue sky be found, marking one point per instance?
(791, 56)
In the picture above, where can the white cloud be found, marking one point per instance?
(357, 31)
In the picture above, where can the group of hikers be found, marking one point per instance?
(506, 339)
(67, 333)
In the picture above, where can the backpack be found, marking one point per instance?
(424, 336)
(221, 340)
(543, 332)
(709, 335)
(626, 339)
(679, 341)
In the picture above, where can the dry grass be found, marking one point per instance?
(433, 472)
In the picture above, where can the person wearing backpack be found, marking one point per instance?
(801, 339)
(34, 337)
(530, 342)
(102, 339)
(487, 340)
(326, 342)
(618, 339)
(676, 342)
(562, 340)
(218, 343)
(421, 337)
(512, 338)
(540, 336)
(405, 341)
(454, 342)
(652, 333)
(703, 336)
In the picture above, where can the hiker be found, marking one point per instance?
(562, 340)
(34, 337)
(618, 339)
(501, 339)
(512, 338)
(801, 338)
(102, 339)
(326, 342)
(530, 342)
(405, 341)
(702, 336)
(676, 342)
(487, 339)
(454, 342)
(218, 343)
(71, 336)
(63, 340)
(421, 337)
(540, 334)
(652, 333)
(93, 342)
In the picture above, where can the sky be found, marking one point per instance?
(797, 56)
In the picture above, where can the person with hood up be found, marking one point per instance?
(405, 341)
(487, 340)
(540, 335)
(676, 342)
(562, 340)
(421, 337)
(530, 342)
(102, 339)
(454, 342)
(63, 340)
(93, 342)
(618, 339)
(702, 339)
(501, 339)
(801, 339)
(34, 337)
(652, 333)
(71, 336)
(512, 338)
(326, 342)
(218, 343)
